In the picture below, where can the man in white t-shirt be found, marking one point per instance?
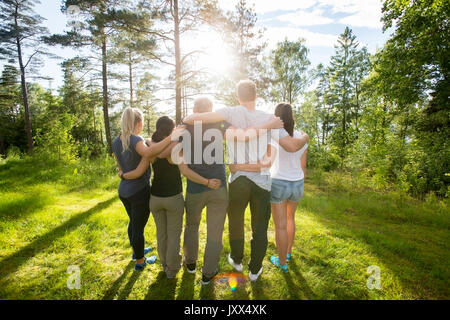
(250, 187)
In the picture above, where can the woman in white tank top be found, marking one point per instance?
(287, 172)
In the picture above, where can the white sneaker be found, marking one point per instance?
(237, 267)
(254, 277)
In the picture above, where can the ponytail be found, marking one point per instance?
(164, 127)
(130, 118)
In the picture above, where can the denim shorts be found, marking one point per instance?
(283, 190)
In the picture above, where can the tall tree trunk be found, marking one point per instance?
(130, 71)
(357, 112)
(24, 87)
(105, 93)
(177, 63)
(95, 125)
(2, 147)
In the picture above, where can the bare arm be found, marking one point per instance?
(195, 177)
(156, 148)
(168, 151)
(266, 163)
(250, 133)
(139, 171)
(118, 164)
(303, 162)
(291, 144)
(205, 117)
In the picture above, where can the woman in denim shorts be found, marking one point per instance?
(287, 172)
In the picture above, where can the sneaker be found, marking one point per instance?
(276, 262)
(146, 250)
(237, 267)
(206, 280)
(191, 267)
(140, 267)
(254, 277)
(288, 257)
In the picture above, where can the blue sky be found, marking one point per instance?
(319, 22)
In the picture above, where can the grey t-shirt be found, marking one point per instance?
(242, 118)
(129, 160)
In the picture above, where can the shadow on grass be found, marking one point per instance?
(207, 292)
(258, 289)
(24, 206)
(11, 263)
(303, 285)
(112, 291)
(412, 263)
(19, 174)
(162, 288)
(33, 171)
(129, 286)
(186, 290)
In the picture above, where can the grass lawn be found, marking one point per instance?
(53, 216)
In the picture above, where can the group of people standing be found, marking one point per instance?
(270, 180)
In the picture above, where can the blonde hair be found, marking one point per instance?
(202, 104)
(130, 118)
(246, 90)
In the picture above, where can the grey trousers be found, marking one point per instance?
(216, 202)
(168, 215)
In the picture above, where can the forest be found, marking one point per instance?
(384, 115)
(379, 127)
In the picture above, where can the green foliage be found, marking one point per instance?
(384, 117)
(289, 64)
(56, 141)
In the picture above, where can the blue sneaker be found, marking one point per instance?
(276, 262)
(140, 267)
(146, 250)
(288, 257)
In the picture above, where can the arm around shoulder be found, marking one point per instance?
(291, 144)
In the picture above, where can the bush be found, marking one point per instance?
(13, 153)
(57, 141)
(322, 158)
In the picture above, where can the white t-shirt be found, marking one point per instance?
(241, 117)
(287, 164)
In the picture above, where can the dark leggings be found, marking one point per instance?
(138, 211)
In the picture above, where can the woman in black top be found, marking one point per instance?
(167, 202)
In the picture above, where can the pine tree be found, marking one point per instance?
(341, 88)
(21, 29)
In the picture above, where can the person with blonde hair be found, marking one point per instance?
(129, 148)
(167, 203)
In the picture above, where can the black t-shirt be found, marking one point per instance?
(166, 179)
(208, 171)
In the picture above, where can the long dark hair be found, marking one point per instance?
(164, 127)
(284, 112)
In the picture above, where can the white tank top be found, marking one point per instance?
(287, 164)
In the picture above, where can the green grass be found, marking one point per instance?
(54, 215)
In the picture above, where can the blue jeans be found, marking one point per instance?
(283, 190)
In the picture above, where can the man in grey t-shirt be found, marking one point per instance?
(249, 187)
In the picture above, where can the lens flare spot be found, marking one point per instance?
(233, 282)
